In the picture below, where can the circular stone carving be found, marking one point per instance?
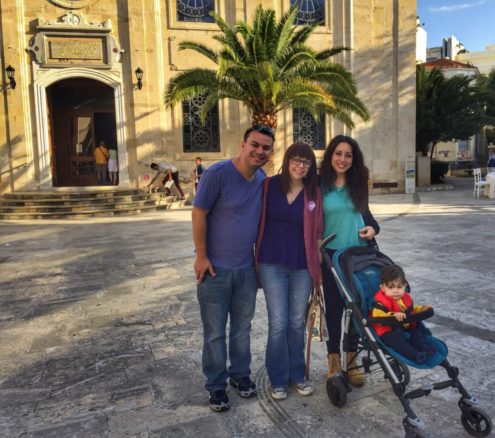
(73, 4)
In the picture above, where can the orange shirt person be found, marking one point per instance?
(101, 160)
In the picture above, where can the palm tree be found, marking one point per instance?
(446, 109)
(485, 87)
(269, 67)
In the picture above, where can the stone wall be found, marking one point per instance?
(380, 32)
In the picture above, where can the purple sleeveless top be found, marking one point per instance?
(283, 239)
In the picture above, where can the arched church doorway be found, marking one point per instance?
(82, 114)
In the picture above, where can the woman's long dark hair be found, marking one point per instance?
(302, 150)
(356, 178)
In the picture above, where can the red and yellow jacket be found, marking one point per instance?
(386, 306)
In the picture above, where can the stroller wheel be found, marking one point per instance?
(414, 432)
(337, 391)
(476, 421)
(401, 370)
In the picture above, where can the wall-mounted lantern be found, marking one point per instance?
(139, 76)
(10, 75)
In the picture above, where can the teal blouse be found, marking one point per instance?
(341, 217)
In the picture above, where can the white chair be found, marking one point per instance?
(478, 182)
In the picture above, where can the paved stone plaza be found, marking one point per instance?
(100, 333)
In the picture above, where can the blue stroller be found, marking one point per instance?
(357, 273)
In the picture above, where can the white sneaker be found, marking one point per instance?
(278, 393)
(304, 388)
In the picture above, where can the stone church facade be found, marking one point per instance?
(75, 64)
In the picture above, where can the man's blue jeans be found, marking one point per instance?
(230, 292)
(287, 293)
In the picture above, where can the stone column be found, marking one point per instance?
(145, 108)
(16, 146)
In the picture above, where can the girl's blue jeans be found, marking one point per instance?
(286, 293)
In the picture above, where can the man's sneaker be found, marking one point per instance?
(245, 386)
(303, 388)
(278, 393)
(219, 401)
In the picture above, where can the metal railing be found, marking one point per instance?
(14, 168)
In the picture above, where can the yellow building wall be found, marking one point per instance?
(381, 34)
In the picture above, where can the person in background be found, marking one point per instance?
(101, 161)
(198, 171)
(491, 161)
(113, 166)
(287, 254)
(225, 217)
(344, 183)
(171, 174)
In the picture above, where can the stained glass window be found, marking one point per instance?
(198, 137)
(307, 130)
(310, 11)
(195, 10)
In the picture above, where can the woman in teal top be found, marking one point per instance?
(344, 182)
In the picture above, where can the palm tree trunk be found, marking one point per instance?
(265, 119)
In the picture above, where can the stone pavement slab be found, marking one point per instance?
(100, 334)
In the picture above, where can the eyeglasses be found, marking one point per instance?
(263, 129)
(298, 162)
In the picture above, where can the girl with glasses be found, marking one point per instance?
(288, 264)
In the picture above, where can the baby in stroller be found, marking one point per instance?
(393, 300)
(358, 273)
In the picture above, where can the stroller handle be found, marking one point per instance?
(328, 239)
(392, 321)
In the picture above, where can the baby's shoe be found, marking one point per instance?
(420, 357)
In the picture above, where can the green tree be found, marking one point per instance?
(485, 86)
(447, 109)
(269, 66)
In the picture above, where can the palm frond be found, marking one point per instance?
(328, 53)
(294, 57)
(302, 33)
(230, 36)
(333, 75)
(352, 105)
(188, 84)
(285, 30)
(200, 48)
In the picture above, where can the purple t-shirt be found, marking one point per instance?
(283, 238)
(234, 211)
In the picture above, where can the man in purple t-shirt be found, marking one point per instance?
(225, 216)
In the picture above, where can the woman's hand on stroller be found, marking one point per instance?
(367, 233)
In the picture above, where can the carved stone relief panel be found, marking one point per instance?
(73, 4)
(71, 41)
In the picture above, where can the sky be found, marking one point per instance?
(472, 22)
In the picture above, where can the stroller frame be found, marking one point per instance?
(474, 420)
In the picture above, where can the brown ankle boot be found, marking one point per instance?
(356, 376)
(333, 364)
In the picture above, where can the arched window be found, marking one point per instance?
(195, 10)
(198, 137)
(307, 130)
(310, 11)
